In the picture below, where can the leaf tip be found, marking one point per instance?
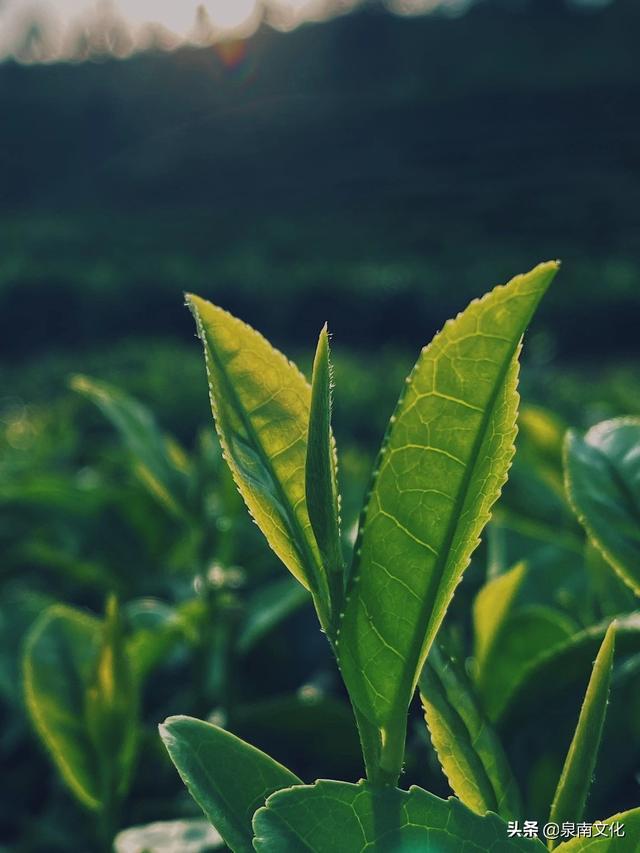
(166, 728)
(79, 382)
(609, 642)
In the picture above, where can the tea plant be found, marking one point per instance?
(83, 695)
(442, 466)
(84, 677)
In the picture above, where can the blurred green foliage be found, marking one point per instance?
(371, 172)
(79, 521)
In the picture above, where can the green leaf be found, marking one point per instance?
(59, 662)
(575, 781)
(467, 747)
(228, 778)
(82, 695)
(442, 466)
(111, 707)
(491, 608)
(261, 403)
(602, 475)
(611, 593)
(169, 836)
(564, 666)
(161, 463)
(610, 842)
(328, 816)
(321, 485)
(526, 634)
(267, 607)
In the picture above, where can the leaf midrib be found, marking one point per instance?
(238, 817)
(429, 600)
(477, 759)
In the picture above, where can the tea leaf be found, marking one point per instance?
(441, 468)
(565, 666)
(111, 707)
(468, 749)
(228, 778)
(526, 634)
(602, 474)
(162, 465)
(59, 662)
(603, 838)
(611, 593)
(491, 608)
(573, 788)
(377, 819)
(260, 403)
(321, 486)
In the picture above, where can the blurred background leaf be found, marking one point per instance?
(372, 170)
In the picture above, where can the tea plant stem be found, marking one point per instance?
(383, 763)
(108, 821)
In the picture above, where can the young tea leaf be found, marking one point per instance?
(321, 486)
(617, 834)
(491, 608)
(602, 476)
(59, 662)
(228, 778)
(573, 788)
(337, 816)
(161, 464)
(527, 633)
(111, 707)
(469, 750)
(260, 403)
(443, 464)
(565, 665)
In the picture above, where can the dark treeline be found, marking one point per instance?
(450, 148)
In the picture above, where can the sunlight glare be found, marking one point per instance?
(178, 18)
(230, 14)
(51, 30)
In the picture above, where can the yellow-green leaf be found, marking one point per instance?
(469, 750)
(321, 484)
(161, 464)
(491, 608)
(617, 834)
(111, 706)
(575, 780)
(528, 633)
(260, 403)
(443, 464)
(59, 663)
